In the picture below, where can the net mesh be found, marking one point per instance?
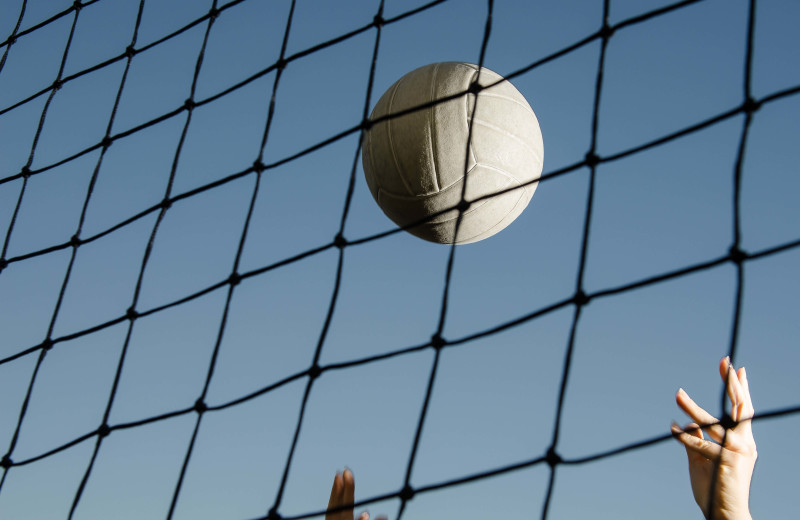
(157, 136)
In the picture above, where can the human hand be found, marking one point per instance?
(734, 450)
(342, 494)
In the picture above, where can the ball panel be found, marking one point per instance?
(490, 144)
(431, 143)
(482, 217)
(409, 137)
(377, 156)
(451, 122)
(506, 132)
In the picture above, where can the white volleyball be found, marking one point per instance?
(414, 164)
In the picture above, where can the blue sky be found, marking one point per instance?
(494, 399)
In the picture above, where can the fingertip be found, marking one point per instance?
(347, 475)
(684, 401)
(724, 366)
(682, 398)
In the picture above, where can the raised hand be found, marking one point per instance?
(732, 450)
(342, 494)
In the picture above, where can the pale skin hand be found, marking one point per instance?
(342, 494)
(733, 449)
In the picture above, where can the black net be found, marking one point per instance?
(204, 312)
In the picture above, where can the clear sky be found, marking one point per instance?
(494, 399)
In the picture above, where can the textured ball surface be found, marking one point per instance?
(414, 164)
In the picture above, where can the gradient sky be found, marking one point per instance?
(494, 399)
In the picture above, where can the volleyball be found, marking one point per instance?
(415, 163)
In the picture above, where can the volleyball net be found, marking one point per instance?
(187, 241)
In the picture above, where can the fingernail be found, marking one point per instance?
(681, 391)
(744, 374)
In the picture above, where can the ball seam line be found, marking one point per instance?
(391, 141)
(432, 125)
(468, 116)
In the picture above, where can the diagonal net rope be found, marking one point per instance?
(550, 456)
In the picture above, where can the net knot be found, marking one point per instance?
(463, 206)
(273, 515)
(259, 166)
(592, 159)
(553, 458)
(737, 255)
(6, 462)
(26, 172)
(339, 241)
(77, 5)
(131, 314)
(74, 241)
(606, 32)
(475, 88)
(200, 406)
(581, 298)
(106, 142)
(57, 84)
(189, 104)
(750, 105)
(315, 371)
(235, 279)
(47, 345)
(129, 51)
(166, 204)
(378, 20)
(213, 14)
(407, 493)
(3, 263)
(104, 430)
(281, 63)
(438, 342)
